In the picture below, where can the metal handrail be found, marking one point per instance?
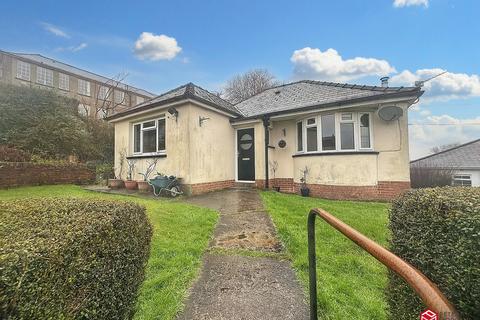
(426, 289)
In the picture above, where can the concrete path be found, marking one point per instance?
(235, 286)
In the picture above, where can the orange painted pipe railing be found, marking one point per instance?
(425, 289)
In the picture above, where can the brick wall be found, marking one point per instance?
(384, 191)
(14, 174)
(199, 188)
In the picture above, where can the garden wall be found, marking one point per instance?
(14, 174)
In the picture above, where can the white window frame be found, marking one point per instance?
(370, 130)
(122, 99)
(462, 177)
(44, 76)
(23, 70)
(64, 81)
(158, 152)
(103, 95)
(338, 120)
(80, 90)
(139, 99)
(338, 138)
(305, 126)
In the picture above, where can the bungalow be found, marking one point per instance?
(462, 162)
(353, 139)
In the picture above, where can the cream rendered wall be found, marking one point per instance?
(177, 137)
(390, 139)
(212, 146)
(195, 154)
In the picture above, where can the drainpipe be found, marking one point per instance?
(266, 120)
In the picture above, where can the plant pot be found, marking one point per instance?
(116, 183)
(276, 189)
(305, 192)
(143, 186)
(131, 184)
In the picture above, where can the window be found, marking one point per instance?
(119, 97)
(464, 180)
(83, 110)
(103, 93)
(328, 132)
(299, 136)
(44, 76)
(347, 136)
(311, 135)
(23, 70)
(365, 131)
(84, 87)
(140, 100)
(63, 81)
(346, 131)
(149, 136)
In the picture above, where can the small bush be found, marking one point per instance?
(437, 231)
(71, 258)
(104, 172)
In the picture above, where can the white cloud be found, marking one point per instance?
(430, 132)
(81, 46)
(408, 3)
(312, 63)
(156, 47)
(54, 30)
(445, 87)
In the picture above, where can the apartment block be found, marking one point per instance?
(98, 96)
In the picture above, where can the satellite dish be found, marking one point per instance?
(390, 113)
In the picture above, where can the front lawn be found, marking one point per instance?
(351, 283)
(180, 236)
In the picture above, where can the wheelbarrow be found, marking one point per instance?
(168, 185)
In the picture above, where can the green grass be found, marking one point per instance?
(181, 235)
(350, 282)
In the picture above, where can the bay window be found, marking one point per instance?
(149, 136)
(345, 131)
(328, 132)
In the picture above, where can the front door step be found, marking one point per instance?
(244, 185)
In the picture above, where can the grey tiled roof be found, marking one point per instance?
(187, 91)
(80, 72)
(465, 156)
(308, 93)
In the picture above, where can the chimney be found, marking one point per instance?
(384, 81)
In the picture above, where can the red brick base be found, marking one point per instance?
(199, 188)
(384, 190)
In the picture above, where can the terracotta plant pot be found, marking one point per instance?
(131, 184)
(143, 186)
(115, 183)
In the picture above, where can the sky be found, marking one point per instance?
(162, 45)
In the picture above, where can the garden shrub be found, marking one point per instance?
(71, 258)
(437, 230)
(12, 154)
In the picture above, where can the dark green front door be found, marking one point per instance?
(246, 155)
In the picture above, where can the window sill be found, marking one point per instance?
(333, 153)
(144, 156)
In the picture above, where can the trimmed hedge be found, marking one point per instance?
(71, 258)
(437, 230)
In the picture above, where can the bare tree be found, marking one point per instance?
(105, 102)
(444, 147)
(243, 86)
